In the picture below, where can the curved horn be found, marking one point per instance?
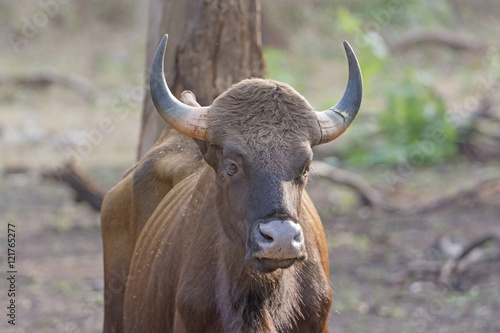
(188, 120)
(336, 120)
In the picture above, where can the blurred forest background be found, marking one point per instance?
(413, 212)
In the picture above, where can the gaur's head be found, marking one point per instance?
(258, 138)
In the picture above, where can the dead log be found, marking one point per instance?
(373, 198)
(85, 188)
(45, 79)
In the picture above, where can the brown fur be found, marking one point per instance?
(178, 229)
(272, 117)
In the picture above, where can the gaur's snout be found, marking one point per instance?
(279, 240)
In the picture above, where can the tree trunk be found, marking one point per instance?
(212, 44)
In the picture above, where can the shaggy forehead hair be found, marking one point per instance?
(264, 114)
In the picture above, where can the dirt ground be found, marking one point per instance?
(384, 266)
(373, 256)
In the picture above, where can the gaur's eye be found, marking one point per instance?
(306, 171)
(231, 169)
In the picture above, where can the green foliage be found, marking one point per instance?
(278, 66)
(285, 68)
(346, 21)
(413, 128)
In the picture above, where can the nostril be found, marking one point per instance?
(278, 240)
(265, 234)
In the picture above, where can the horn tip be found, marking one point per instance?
(164, 39)
(347, 46)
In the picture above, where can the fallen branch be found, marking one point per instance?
(369, 196)
(372, 197)
(459, 259)
(440, 38)
(42, 80)
(470, 255)
(86, 189)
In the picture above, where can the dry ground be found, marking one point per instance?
(58, 249)
(59, 259)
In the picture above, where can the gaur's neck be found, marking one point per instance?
(250, 301)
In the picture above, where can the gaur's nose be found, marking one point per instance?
(280, 240)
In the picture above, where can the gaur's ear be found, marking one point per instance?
(189, 98)
(203, 145)
(210, 152)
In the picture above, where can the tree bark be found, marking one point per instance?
(212, 44)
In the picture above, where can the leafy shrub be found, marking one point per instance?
(413, 127)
